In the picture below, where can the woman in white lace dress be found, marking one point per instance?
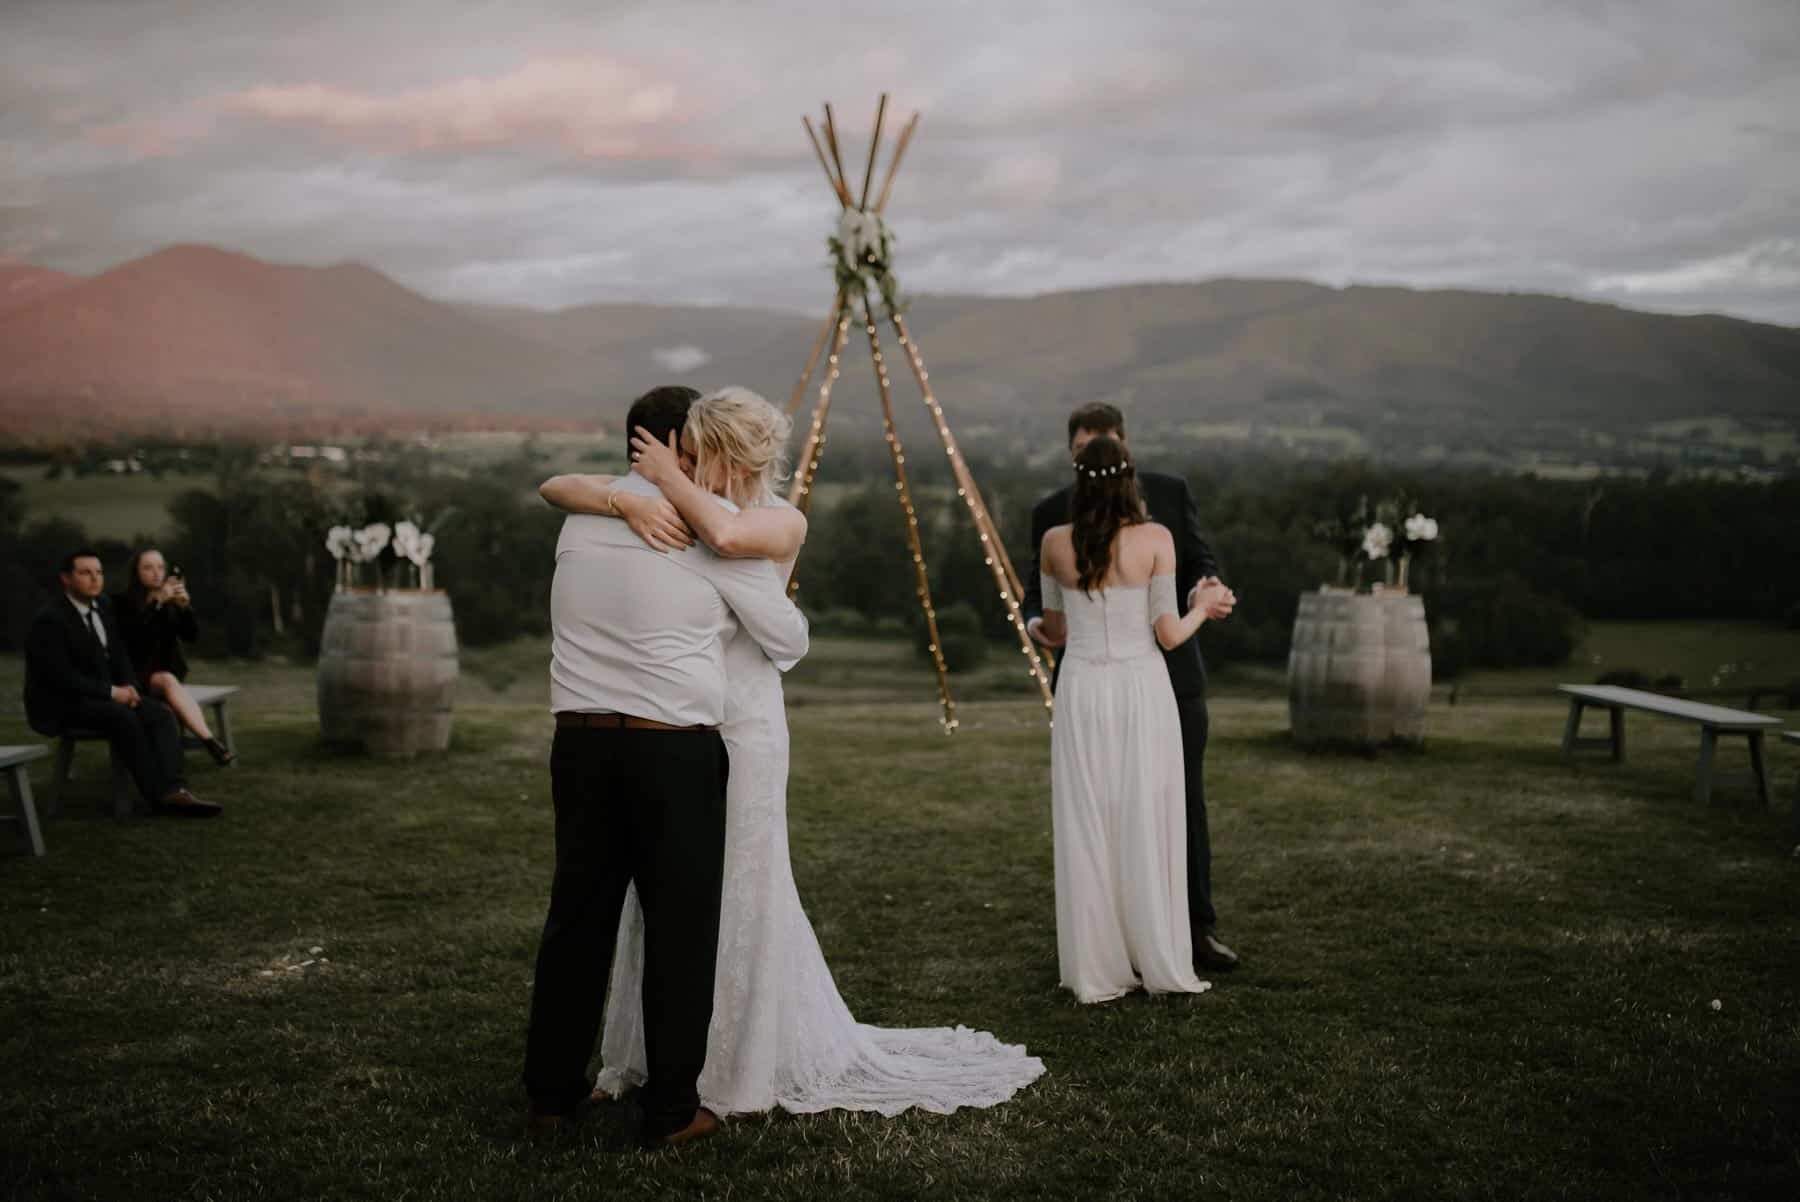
(1117, 798)
(781, 1035)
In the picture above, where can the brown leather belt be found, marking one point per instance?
(569, 718)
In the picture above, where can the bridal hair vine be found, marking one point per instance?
(1094, 473)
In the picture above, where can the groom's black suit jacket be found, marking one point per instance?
(1170, 504)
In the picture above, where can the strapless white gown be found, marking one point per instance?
(781, 1035)
(1117, 799)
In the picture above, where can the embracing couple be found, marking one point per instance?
(675, 936)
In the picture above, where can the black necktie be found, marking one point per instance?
(94, 628)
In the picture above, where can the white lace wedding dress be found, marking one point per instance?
(781, 1035)
(1117, 801)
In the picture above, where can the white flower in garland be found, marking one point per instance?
(862, 252)
(1377, 541)
(339, 540)
(1421, 529)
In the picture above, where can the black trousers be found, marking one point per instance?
(147, 738)
(644, 807)
(1201, 916)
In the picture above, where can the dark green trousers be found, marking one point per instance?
(644, 807)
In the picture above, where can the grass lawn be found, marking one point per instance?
(1714, 658)
(1472, 971)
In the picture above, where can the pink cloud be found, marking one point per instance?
(153, 137)
(588, 105)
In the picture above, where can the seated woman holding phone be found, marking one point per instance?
(156, 618)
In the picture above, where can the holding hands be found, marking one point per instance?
(1212, 596)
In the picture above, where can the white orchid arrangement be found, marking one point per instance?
(352, 548)
(862, 254)
(1377, 541)
(1420, 529)
(415, 546)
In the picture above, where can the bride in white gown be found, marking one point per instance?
(781, 1035)
(1117, 800)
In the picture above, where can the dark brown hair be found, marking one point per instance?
(1099, 417)
(1104, 501)
(662, 411)
(136, 595)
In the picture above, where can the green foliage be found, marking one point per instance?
(960, 636)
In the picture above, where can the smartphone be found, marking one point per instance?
(175, 572)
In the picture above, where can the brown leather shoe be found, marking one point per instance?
(705, 1123)
(179, 803)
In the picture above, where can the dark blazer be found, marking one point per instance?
(154, 635)
(1170, 504)
(64, 664)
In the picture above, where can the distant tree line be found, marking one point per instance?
(1520, 564)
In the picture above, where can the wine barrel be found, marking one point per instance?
(1408, 683)
(1359, 669)
(387, 671)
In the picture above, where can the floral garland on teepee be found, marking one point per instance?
(862, 255)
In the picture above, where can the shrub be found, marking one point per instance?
(960, 637)
(1671, 683)
(839, 622)
(1625, 678)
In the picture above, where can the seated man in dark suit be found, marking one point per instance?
(78, 676)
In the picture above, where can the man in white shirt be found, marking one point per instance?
(637, 770)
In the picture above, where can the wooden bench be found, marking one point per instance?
(13, 761)
(1713, 720)
(214, 697)
(1793, 737)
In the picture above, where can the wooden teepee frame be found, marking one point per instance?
(836, 331)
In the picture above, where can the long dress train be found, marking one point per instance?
(781, 1034)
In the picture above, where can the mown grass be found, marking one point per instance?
(1472, 971)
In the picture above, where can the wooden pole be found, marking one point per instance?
(922, 577)
(887, 184)
(1006, 579)
(874, 149)
(800, 491)
(837, 185)
(837, 158)
(812, 359)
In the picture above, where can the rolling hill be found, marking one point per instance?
(197, 339)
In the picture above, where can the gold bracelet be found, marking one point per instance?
(612, 500)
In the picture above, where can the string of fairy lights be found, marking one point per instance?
(1006, 579)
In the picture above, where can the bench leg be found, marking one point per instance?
(1572, 728)
(123, 787)
(222, 728)
(59, 775)
(1760, 768)
(1709, 741)
(1618, 734)
(21, 791)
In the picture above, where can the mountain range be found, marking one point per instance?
(195, 340)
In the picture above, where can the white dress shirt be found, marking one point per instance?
(84, 608)
(642, 632)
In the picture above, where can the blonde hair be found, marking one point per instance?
(747, 434)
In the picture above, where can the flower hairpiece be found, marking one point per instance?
(1094, 473)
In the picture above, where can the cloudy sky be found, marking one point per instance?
(550, 152)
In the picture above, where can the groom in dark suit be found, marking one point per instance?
(1172, 505)
(78, 675)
